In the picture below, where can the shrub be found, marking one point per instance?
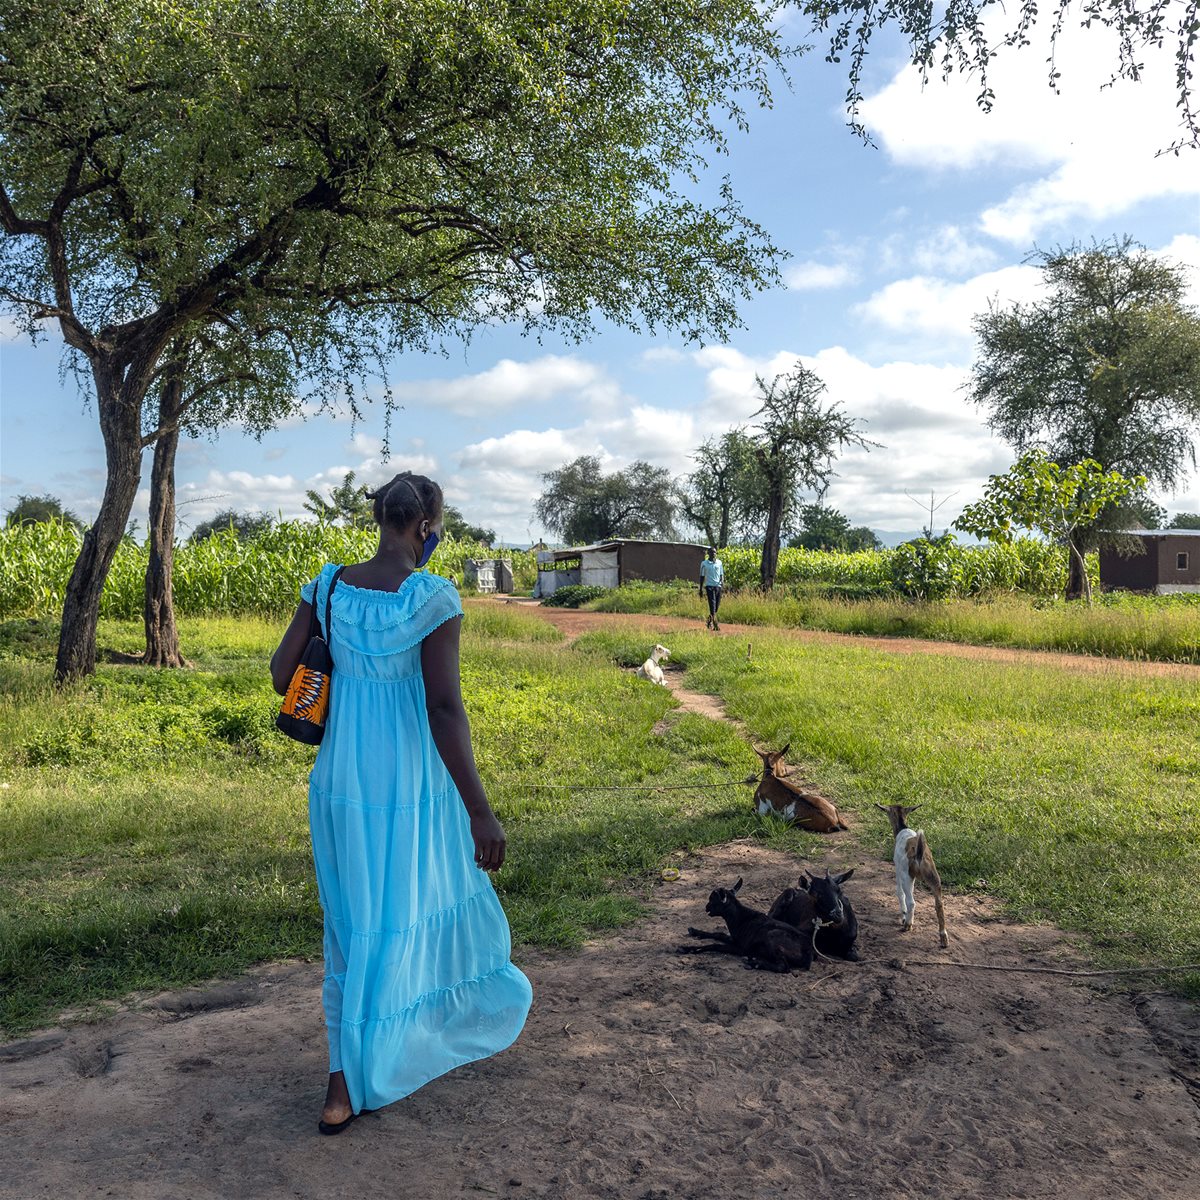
(575, 594)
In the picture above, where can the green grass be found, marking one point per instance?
(1074, 798)
(153, 825)
(1119, 625)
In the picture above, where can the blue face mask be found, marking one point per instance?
(430, 546)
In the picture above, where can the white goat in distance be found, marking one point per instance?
(651, 670)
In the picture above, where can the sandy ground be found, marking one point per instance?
(572, 623)
(644, 1075)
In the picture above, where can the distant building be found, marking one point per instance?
(1169, 562)
(617, 561)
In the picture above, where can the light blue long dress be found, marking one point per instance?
(417, 973)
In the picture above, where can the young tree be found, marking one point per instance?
(347, 504)
(407, 170)
(722, 491)
(30, 510)
(795, 442)
(1036, 493)
(582, 504)
(1106, 368)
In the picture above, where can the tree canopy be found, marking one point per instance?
(721, 496)
(582, 504)
(367, 173)
(967, 35)
(822, 528)
(457, 526)
(246, 525)
(30, 510)
(1106, 367)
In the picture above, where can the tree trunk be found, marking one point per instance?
(162, 637)
(120, 426)
(1079, 586)
(770, 550)
(723, 533)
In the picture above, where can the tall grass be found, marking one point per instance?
(220, 574)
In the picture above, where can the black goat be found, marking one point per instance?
(823, 903)
(765, 944)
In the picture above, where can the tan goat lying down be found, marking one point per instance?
(777, 795)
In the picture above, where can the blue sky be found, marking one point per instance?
(893, 250)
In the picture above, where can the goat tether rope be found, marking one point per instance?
(946, 962)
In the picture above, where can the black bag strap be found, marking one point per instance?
(329, 602)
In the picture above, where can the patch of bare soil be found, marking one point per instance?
(645, 1075)
(572, 623)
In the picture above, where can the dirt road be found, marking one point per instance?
(643, 1075)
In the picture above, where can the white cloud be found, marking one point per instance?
(939, 308)
(948, 251)
(509, 384)
(812, 276)
(1093, 147)
(1184, 250)
(364, 444)
(933, 439)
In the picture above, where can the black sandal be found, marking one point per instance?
(329, 1130)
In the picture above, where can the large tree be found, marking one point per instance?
(409, 167)
(582, 504)
(721, 494)
(797, 437)
(1106, 367)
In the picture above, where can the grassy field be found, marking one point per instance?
(1072, 797)
(1118, 625)
(153, 825)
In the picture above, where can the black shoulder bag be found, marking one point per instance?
(305, 707)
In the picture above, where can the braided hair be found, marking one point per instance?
(405, 498)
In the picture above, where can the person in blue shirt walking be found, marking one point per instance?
(712, 578)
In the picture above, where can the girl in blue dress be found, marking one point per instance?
(418, 979)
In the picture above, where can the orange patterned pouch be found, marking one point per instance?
(306, 705)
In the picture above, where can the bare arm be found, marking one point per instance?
(286, 658)
(452, 736)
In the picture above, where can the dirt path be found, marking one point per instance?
(572, 623)
(643, 1075)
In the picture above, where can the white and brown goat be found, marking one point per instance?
(776, 795)
(651, 670)
(913, 860)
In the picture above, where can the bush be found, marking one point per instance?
(575, 594)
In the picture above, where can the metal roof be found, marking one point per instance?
(616, 543)
(1158, 533)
